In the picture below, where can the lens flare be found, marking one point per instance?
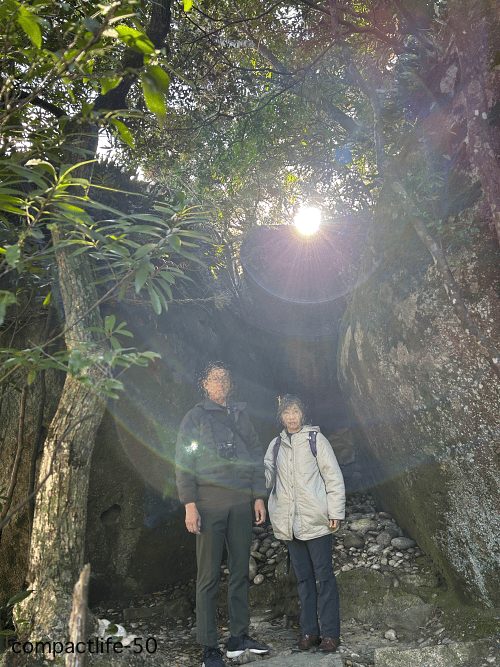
(308, 220)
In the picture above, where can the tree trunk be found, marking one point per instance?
(57, 543)
(471, 27)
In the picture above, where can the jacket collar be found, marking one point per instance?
(307, 428)
(210, 405)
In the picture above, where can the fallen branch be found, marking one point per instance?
(78, 618)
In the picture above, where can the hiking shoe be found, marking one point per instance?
(212, 657)
(329, 644)
(237, 645)
(305, 643)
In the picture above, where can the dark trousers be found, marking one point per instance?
(231, 524)
(312, 559)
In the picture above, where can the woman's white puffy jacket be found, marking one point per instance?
(309, 491)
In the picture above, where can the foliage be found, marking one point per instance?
(270, 99)
(58, 62)
(8, 615)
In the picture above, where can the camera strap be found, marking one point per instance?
(229, 423)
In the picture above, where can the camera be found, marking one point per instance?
(227, 451)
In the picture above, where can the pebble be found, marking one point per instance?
(258, 579)
(363, 525)
(403, 543)
(384, 538)
(374, 549)
(353, 540)
(391, 635)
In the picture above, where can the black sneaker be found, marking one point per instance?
(212, 657)
(237, 645)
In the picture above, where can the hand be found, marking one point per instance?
(193, 519)
(335, 524)
(260, 511)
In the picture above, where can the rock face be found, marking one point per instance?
(427, 401)
(482, 652)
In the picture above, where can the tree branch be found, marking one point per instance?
(132, 61)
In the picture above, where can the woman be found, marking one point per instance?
(306, 505)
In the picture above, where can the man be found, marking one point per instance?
(219, 472)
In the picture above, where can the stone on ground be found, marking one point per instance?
(308, 659)
(370, 597)
(456, 654)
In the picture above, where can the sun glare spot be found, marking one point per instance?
(308, 220)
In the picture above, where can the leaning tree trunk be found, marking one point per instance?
(472, 27)
(57, 542)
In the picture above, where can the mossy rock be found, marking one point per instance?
(370, 597)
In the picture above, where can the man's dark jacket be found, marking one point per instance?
(197, 459)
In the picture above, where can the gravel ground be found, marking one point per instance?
(144, 616)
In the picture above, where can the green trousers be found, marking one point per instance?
(222, 522)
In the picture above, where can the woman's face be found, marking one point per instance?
(292, 418)
(218, 385)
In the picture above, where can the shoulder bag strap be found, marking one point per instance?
(275, 456)
(312, 443)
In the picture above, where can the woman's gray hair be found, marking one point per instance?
(287, 401)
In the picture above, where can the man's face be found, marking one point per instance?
(218, 385)
(292, 418)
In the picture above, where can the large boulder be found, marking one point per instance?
(375, 598)
(426, 398)
(454, 654)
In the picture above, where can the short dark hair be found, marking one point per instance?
(286, 401)
(211, 366)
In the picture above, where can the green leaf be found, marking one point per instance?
(92, 24)
(12, 254)
(175, 242)
(19, 597)
(190, 255)
(134, 39)
(46, 301)
(162, 298)
(124, 286)
(154, 98)
(115, 343)
(160, 77)
(109, 323)
(108, 83)
(111, 394)
(124, 332)
(142, 274)
(31, 377)
(155, 301)
(165, 286)
(124, 132)
(25, 19)
(6, 299)
(144, 250)
(87, 107)
(167, 276)
(187, 5)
